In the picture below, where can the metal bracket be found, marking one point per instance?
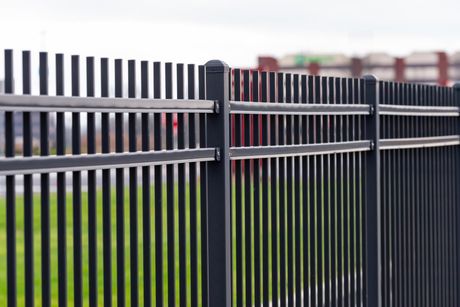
(371, 110)
(217, 154)
(216, 107)
(372, 145)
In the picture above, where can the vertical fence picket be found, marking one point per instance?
(10, 187)
(282, 194)
(434, 209)
(427, 201)
(312, 200)
(340, 193)
(238, 195)
(133, 227)
(447, 216)
(455, 178)
(353, 197)
(418, 205)
(348, 97)
(158, 191)
(92, 189)
(181, 189)
(289, 199)
(265, 195)
(297, 200)
(385, 206)
(319, 198)
(61, 187)
(440, 203)
(170, 224)
(431, 214)
(255, 128)
(326, 195)
(406, 204)
(413, 204)
(146, 190)
(333, 198)
(435, 206)
(28, 187)
(423, 226)
(361, 206)
(203, 192)
(444, 223)
(119, 193)
(274, 197)
(76, 189)
(430, 208)
(448, 210)
(304, 189)
(106, 191)
(193, 188)
(451, 209)
(398, 201)
(248, 225)
(44, 188)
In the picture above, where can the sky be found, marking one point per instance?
(236, 31)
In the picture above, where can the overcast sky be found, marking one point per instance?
(236, 31)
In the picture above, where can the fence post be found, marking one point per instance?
(373, 274)
(218, 204)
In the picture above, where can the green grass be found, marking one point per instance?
(305, 242)
(305, 248)
(69, 244)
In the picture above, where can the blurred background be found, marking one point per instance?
(397, 40)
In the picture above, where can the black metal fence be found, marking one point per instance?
(243, 188)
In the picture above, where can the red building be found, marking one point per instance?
(427, 67)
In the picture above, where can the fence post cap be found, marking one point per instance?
(370, 78)
(216, 66)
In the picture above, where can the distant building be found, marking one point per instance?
(427, 67)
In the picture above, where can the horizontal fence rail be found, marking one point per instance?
(50, 164)
(297, 109)
(160, 184)
(424, 142)
(104, 105)
(258, 152)
(410, 110)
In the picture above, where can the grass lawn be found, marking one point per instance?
(54, 272)
(54, 246)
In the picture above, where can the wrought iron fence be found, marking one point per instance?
(242, 187)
